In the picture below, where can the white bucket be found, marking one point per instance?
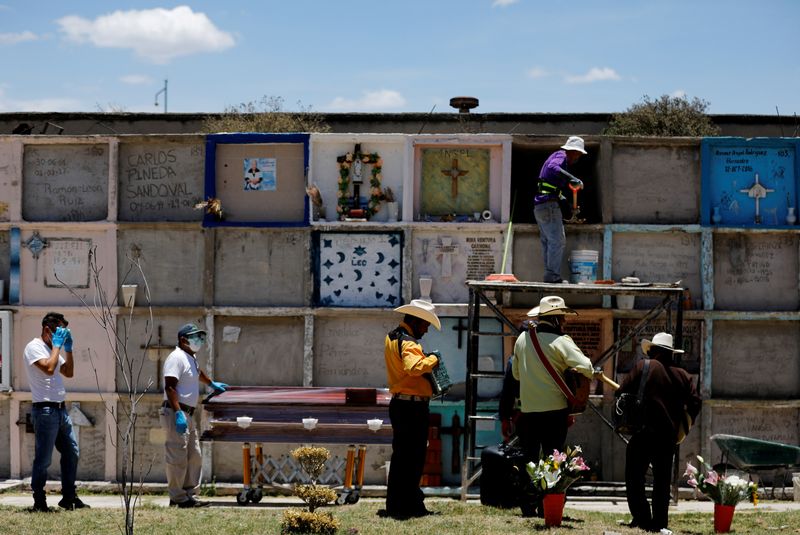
(583, 266)
(626, 302)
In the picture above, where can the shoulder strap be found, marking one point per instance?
(549, 367)
(643, 379)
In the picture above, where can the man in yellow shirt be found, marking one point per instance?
(406, 365)
(544, 419)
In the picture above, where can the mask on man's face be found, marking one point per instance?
(196, 343)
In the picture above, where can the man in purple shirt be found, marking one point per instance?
(551, 187)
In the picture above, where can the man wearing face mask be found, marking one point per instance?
(52, 425)
(182, 378)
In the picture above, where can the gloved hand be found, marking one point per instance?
(576, 183)
(58, 338)
(68, 342)
(218, 387)
(181, 425)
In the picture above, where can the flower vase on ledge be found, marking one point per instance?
(791, 217)
(716, 217)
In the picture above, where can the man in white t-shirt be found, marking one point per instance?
(52, 425)
(182, 378)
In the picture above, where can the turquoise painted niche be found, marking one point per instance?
(750, 182)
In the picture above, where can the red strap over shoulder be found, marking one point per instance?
(549, 367)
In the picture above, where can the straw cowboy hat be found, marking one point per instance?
(532, 313)
(663, 340)
(423, 310)
(574, 143)
(553, 305)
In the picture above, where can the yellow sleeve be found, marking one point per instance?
(415, 362)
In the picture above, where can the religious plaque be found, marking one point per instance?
(454, 182)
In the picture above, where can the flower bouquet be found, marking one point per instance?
(724, 491)
(551, 477)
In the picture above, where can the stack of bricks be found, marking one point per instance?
(432, 473)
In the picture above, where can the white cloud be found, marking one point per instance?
(383, 99)
(595, 74)
(136, 79)
(537, 72)
(678, 93)
(157, 35)
(42, 104)
(503, 3)
(14, 38)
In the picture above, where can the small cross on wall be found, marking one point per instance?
(454, 173)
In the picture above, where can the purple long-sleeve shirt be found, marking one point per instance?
(551, 173)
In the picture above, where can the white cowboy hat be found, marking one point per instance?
(574, 143)
(423, 310)
(532, 313)
(663, 340)
(553, 305)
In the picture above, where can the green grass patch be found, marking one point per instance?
(456, 518)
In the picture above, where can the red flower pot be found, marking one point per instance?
(553, 508)
(723, 516)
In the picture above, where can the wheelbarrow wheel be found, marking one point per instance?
(256, 495)
(241, 498)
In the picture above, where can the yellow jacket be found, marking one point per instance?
(404, 373)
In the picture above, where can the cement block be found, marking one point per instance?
(755, 359)
(267, 352)
(149, 461)
(266, 267)
(172, 262)
(9, 182)
(5, 442)
(65, 182)
(756, 272)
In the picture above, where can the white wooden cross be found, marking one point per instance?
(446, 249)
(757, 191)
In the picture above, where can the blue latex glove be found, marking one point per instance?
(57, 340)
(181, 425)
(68, 342)
(218, 387)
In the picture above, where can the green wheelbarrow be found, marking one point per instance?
(750, 456)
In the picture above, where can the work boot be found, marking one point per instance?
(40, 506)
(72, 504)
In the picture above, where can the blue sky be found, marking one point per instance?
(743, 57)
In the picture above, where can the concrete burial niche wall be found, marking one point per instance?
(63, 263)
(5, 263)
(65, 182)
(172, 263)
(91, 441)
(259, 351)
(5, 442)
(148, 442)
(756, 271)
(655, 182)
(665, 257)
(9, 180)
(262, 267)
(458, 177)
(324, 169)
(161, 179)
(450, 256)
(755, 359)
(274, 191)
(91, 351)
(348, 350)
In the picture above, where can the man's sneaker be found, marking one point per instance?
(40, 507)
(71, 505)
(191, 503)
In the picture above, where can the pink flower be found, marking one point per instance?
(559, 457)
(712, 478)
(692, 482)
(690, 470)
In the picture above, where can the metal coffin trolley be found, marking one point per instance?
(299, 415)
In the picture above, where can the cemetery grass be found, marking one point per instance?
(455, 518)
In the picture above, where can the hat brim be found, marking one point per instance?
(565, 147)
(532, 313)
(566, 311)
(196, 331)
(647, 345)
(422, 314)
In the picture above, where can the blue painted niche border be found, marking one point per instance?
(729, 164)
(244, 138)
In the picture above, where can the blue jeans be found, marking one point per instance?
(53, 427)
(551, 232)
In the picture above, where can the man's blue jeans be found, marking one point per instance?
(551, 232)
(53, 427)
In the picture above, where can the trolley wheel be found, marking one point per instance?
(256, 495)
(351, 498)
(241, 498)
(342, 499)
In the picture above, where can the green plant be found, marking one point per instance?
(297, 521)
(312, 459)
(557, 472)
(265, 115)
(665, 116)
(725, 490)
(209, 489)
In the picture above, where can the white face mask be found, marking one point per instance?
(195, 344)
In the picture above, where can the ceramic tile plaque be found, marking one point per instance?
(359, 269)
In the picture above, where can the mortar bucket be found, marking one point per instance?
(583, 266)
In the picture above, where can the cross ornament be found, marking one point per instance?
(446, 250)
(36, 244)
(757, 191)
(454, 173)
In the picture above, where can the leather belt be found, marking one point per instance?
(185, 408)
(50, 404)
(410, 397)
